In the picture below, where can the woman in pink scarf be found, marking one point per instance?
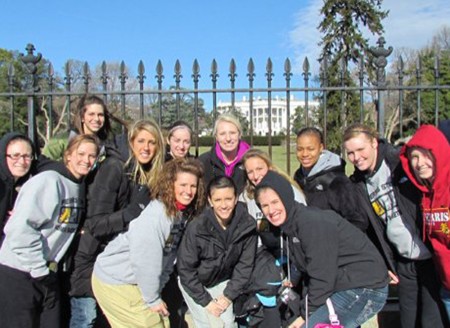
(225, 156)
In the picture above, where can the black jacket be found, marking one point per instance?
(214, 167)
(332, 254)
(168, 156)
(331, 189)
(108, 193)
(205, 259)
(407, 196)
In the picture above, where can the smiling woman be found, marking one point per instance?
(91, 117)
(216, 256)
(225, 156)
(392, 207)
(116, 195)
(425, 159)
(147, 152)
(179, 140)
(322, 177)
(337, 261)
(16, 158)
(135, 266)
(44, 221)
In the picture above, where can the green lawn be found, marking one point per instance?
(279, 158)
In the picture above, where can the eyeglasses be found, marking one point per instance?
(17, 156)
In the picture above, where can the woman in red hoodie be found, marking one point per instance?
(426, 161)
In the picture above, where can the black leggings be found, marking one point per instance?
(419, 300)
(21, 302)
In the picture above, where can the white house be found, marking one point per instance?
(261, 112)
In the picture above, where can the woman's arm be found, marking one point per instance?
(107, 196)
(343, 200)
(319, 241)
(147, 236)
(187, 262)
(35, 207)
(243, 269)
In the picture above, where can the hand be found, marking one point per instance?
(214, 308)
(49, 286)
(223, 302)
(297, 323)
(139, 199)
(161, 309)
(288, 283)
(394, 278)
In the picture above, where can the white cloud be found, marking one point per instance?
(410, 24)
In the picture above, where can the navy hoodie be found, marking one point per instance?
(331, 253)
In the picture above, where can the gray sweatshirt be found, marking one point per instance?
(137, 257)
(43, 223)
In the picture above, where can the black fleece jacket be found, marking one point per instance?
(331, 189)
(408, 198)
(108, 193)
(214, 167)
(206, 258)
(332, 254)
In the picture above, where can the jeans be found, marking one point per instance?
(353, 306)
(83, 312)
(445, 296)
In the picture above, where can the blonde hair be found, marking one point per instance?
(356, 129)
(146, 174)
(257, 153)
(76, 141)
(229, 118)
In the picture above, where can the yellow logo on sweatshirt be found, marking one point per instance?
(64, 216)
(70, 211)
(445, 229)
(378, 208)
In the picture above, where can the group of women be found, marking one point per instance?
(117, 224)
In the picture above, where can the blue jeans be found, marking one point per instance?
(445, 296)
(83, 312)
(353, 306)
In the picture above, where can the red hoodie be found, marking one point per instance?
(436, 200)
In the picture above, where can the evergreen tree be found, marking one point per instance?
(343, 43)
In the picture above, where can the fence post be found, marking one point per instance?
(380, 54)
(30, 61)
(11, 73)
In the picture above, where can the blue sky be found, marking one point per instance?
(148, 30)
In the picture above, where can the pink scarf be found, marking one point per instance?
(229, 167)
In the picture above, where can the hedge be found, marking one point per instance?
(257, 140)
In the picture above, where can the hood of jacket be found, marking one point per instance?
(327, 162)
(5, 174)
(430, 138)
(281, 186)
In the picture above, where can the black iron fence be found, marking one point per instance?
(392, 100)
